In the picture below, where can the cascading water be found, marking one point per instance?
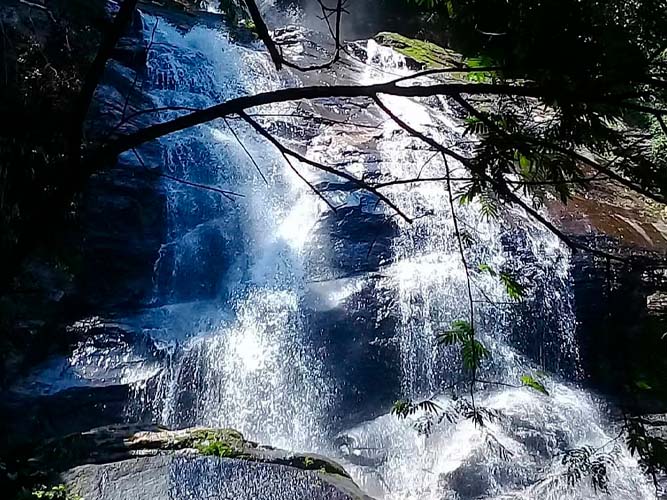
(458, 460)
(239, 365)
(235, 288)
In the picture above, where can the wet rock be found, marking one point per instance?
(106, 354)
(194, 267)
(420, 54)
(618, 303)
(155, 463)
(350, 242)
(27, 420)
(181, 477)
(124, 204)
(477, 477)
(355, 337)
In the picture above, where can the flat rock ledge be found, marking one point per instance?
(154, 463)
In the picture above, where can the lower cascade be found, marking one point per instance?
(300, 327)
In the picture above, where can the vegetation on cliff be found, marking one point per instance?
(556, 96)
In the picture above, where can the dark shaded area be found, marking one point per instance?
(358, 346)
(620, 333)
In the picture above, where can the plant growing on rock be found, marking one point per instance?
(57, 492)
(541, 123)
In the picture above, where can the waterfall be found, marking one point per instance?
(459, 460)
(246, 352)
(242, 288)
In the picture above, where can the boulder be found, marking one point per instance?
(420, 54)
(355, 336)
(154, 463)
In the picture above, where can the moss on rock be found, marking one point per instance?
(422, 54)
(120, 443)
(317, 463)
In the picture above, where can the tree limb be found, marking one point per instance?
(94, 76)
(320, 166)
(234, 106)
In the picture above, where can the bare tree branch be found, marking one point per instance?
(137, 73)
(308, 183)
(226, 193)
(464, 261)
(93, 77)
(320, 166)
(263, 33)
(274, 51)
(501, 187)
(252, 159)
(234, 106)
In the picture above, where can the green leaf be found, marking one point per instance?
(529, 381)
(485, 268)
(524, 162)
(450, 8)
(488, 207)
(402, 408)
(473, 353)
(429, 406)
(514, 289)
(643, 385)
(465, 199)
(480, 62)
(460, 331)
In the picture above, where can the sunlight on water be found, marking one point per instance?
(234, 338)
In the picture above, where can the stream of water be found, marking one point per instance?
(235, 295)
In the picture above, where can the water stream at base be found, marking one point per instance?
(234, 281)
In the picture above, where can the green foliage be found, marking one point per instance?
(480, 62)
(404, 408)
(587, 462)
(475, 126)
(218, 449)
(473, 352)
(426, 54)
(459, 409)
(530, 381)
(649, 447)
(583, 55)
(226, 443)
(460, 332)
(643, 385)
(488, 206)
(563, 42)
(233, 9)
(58, 492)
(514, 289)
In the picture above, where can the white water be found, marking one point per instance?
(234, 281)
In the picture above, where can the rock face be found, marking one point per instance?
(356, 338)
(420, 54)
(177, 477)
(620, 307)
(115, 463)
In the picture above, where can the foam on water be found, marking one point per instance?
(231, 285)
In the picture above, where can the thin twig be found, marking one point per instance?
(252, 159)
(471, 302)
(320, 166)
(227, 194)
